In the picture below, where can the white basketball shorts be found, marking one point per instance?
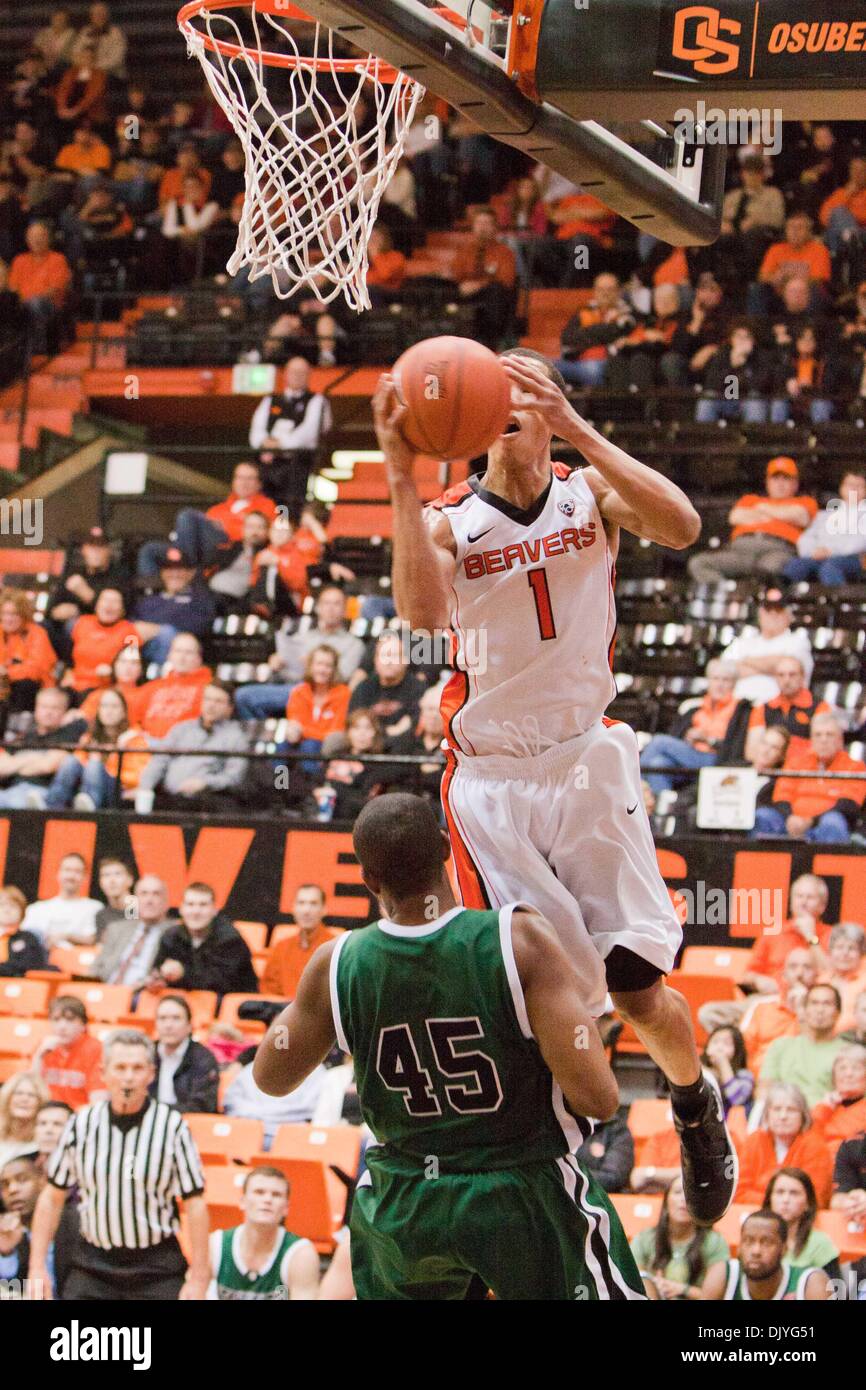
(567, 832)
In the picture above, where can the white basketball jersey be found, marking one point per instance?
(533, 618)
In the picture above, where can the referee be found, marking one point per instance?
(131, 1158)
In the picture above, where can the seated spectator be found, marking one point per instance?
(289, 660)
(425, 740)
(204, 769)
(99, 233)
(27, 658)
(89, 569)
(182, 604)
(794, 314)
(806, 1059)
(697, 735)
(287, 960)
(187, 1075)
(55, 40)
(279, 575)
(21, 1181)
(179, 125)
(139, 170)
(130, 943)
(244, 1099)
(317, 707)
(88, 779)
(820, 810)
(486, 273)
(51, 1118)
(287, 431)
(636, 355)
(80, 95)
(97, 638)
(260, 1259)
(20, 951)
(581, 224)
(762, 1273)
(843, 214)
(522, 219)
(28, 765)
(41, 278)
(792, 709)
(791, 1194)
(85, 155)
(127, 670)
(757, 652)
(393, 691)
(857, 1032)
(785, 1139)
(349, 782)
(768, 1017)
(229, 179)
(812, 164)
(832, 547)
(27, 157)
(69, 918)
(591, 331)
(387, 268)
(109, 38)
(69, 1060)
(803, 381)
(12, 224)
(187, 163)
(185, 222)
(736, 380)
(204, 951)
(699, 335)
(677, 1253)
(765, 529)
(801, 253)
(20, 1099)
(176, 695)
(841, 1114)
(725, 1056)
(232, 582)
(846, 967)
(752, 215)
(27, 95)
(200, 535)
(849, 1178)
(115, 884)
(608, 1154)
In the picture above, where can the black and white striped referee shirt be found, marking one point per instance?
(130, 1172)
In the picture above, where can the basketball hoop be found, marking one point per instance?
(322, 135)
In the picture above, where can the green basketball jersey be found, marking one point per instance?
(792, 1285)
(236, 1283)
(449, 1076)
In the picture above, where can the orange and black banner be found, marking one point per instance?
(726, 888)
(760, 40)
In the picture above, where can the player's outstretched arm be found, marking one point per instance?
(421, 568)
(302, 1035)
(562, 1027)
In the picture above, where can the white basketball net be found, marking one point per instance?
(314, 179)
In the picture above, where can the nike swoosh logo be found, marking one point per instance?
(473, 539)
(630, 810)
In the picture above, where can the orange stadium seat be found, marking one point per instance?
(280, 932)
(74, 960)
(54, 979)
(731, 1224)
(645, 1118)
(635, 1211)
(317, 1199)
(26, 998)
(698, 990)
(847, 1236)
(10, 1066)
(731, 962)
(255, 934)
(202, 1004)
(19, 1037)
(104, 1003)
(222, 1138)
(229, 1011)
(336, 1145)
(222, 1195)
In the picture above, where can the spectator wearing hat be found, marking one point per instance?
(182, 604)
(766, 528)
(90, 568)
(757, 651)
(820, 810)
(27, 658)
(833, 545)
(97, 638)
(696, 737)
(204, 766)
(792, 709)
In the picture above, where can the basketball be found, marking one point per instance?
(457, 394)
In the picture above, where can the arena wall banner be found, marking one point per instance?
(726, 888)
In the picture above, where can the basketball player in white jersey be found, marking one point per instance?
(542, 793)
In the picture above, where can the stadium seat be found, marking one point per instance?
(730, 962)
(699, 990)
(222, 1195)
(25, 998)
(104, 1003)
(848, 1236)
(336, 1145)
(255, 934)
(19, 1037)
(317, 1198)
(74, 960)
(635, 1211)
(731, 1224)
(645, 1118)
(232, 1002)
(224, 1139)
(10, 1066)
(202, 1003)
(281, 931)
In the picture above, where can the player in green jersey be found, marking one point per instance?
(762, 1274)
(474, 1061)
(260, 1260)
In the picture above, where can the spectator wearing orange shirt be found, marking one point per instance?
(85, 154)
(637, 354)
(694, 740)
(580, 222)
(319, 705)
(188, 163)
(97, 638)
(68, 1059)
(841, 1114)
(41, 278)
(786, 1139)
(801, 253)
(200, 535)
(177, 695)
(387, 269)
(845, 961)
(486, 272)
(287, 960)
(843, 214)
(279, 576)
(771, 1016)
(765, 529)
(821, 810)
(792, 709)
(27, 658)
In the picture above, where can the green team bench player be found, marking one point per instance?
(475, 1062)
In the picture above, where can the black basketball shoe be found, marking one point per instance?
(709, 1159)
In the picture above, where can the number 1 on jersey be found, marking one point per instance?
(543, 606)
